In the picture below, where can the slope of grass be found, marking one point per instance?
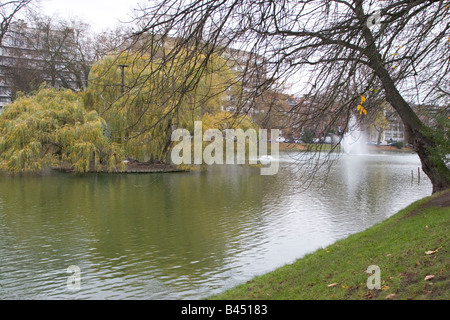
(408, 247)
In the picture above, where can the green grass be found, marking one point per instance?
(398, 246)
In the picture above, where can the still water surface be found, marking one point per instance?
(185, 235)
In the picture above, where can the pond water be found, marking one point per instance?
(186, 235)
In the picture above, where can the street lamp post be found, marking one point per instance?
(123, 66)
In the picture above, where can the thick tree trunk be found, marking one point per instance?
(435, 168)
(380, 135)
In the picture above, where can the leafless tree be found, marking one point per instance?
(8, 9)
(22, 76)
(338, 51)
(64, 48)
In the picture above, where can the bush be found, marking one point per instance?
(399, 145)
(308, 136)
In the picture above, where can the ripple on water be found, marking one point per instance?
(184, 236)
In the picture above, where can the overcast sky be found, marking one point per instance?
(100, 14)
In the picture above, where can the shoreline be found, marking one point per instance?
(327, 147)
(410, 249)
(134, 167)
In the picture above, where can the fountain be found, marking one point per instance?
(353, 141)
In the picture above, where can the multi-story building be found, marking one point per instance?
(252, 74)
(30, 56)
(396, 131)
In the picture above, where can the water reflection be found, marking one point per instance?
(181, 235)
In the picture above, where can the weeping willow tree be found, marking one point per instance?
(52, 128)
(129, 110)
(135, 94)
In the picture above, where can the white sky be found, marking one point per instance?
(100, 14)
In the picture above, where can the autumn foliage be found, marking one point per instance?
(113, 119)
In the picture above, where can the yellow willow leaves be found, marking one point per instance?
(360, 108)
(225, 120)
(50, 128)
(156, 95)
(363, 99)
(133, 116)
(109, 122)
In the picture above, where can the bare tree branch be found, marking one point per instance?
(8, 10)
(403, 59)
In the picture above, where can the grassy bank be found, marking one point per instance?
(409, 247)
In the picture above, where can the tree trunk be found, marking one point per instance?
(380, 134)
(434, 167)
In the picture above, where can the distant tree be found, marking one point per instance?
(339, 51)
(308, 136)
(64, 48)
(381, 124)
(271, 110)
(111, 41)
(22, 77)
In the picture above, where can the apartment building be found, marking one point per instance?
(30, 56)
(252, 74)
